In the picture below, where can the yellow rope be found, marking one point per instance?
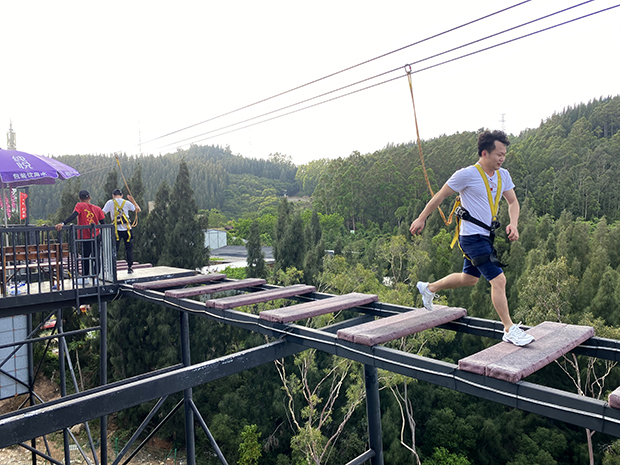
(135, 221)
(428, 183)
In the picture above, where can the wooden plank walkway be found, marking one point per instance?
(212, 288)
(511, 363)
(259, 297)
(177, 282)
(318, 307)
(135, 266)
(404, 324)
(614, 398)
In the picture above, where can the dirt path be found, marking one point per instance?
(17, 455)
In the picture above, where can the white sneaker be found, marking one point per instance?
(517, 336)
(81, 281)
(427, 296)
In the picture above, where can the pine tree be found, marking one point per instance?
(137, 186)
(185, 239)
(284, 212)
(289, 245)
(111, 183)
(316, 249)
(69, 197)
(256, 258)
(153, 237)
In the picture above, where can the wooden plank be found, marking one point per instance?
(135, 266)
(511, 363)
(258, 297)
(317, 307)
(404, 324)
(177, 282)
(614, 398)
(212, 288)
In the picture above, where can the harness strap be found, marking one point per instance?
(121, 217)
(494, 205)
(462, 214)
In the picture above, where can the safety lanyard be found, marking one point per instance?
(119, 215)
(494, 205)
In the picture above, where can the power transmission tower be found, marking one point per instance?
(10, 138)
(503, 121)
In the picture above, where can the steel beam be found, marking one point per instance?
(553, 403)
(373, 413)
(67, 411)
(607, 349)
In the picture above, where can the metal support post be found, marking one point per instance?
(190, 436)
(103, 374)
(63, 382)
(33, 441)
(373, 412)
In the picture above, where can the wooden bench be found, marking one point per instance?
(213, 288)
(511, 363)
(401, 325)
(36, 256)
(259, 297)
(317, 307)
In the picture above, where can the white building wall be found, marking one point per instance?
(13, 329)
(214, 238)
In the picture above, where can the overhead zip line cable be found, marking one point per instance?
(392, 71)
(447, 221)
(135, 221)
(339, 72)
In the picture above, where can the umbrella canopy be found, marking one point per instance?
(19, 169)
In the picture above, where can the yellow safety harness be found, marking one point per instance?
(121, 217)
(462, 214)
(135, 221)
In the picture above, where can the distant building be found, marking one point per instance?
(214, 239)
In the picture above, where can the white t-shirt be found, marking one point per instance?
(127, 207)
(474, 198)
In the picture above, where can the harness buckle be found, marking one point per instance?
(461, 213)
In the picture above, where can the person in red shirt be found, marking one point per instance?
(87, 214)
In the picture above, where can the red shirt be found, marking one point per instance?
(88, 214)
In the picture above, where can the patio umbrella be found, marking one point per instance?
(20, 169)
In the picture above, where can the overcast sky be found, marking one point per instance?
(86, 78)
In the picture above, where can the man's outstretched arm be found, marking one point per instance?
(418, 224)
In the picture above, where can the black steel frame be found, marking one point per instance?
(39, 420)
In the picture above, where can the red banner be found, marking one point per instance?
(22, 205)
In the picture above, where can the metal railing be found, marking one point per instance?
(41, 259)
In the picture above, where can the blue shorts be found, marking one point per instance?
(474, 246)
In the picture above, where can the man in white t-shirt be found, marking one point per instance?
(118, 209)
(478, 187)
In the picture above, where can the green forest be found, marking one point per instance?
(310, 409)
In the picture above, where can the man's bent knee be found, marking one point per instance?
(499, 281)
(469, 280)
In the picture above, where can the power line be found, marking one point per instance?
(338, 72)
(391, 71)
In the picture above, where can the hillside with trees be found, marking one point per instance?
(309, 409)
